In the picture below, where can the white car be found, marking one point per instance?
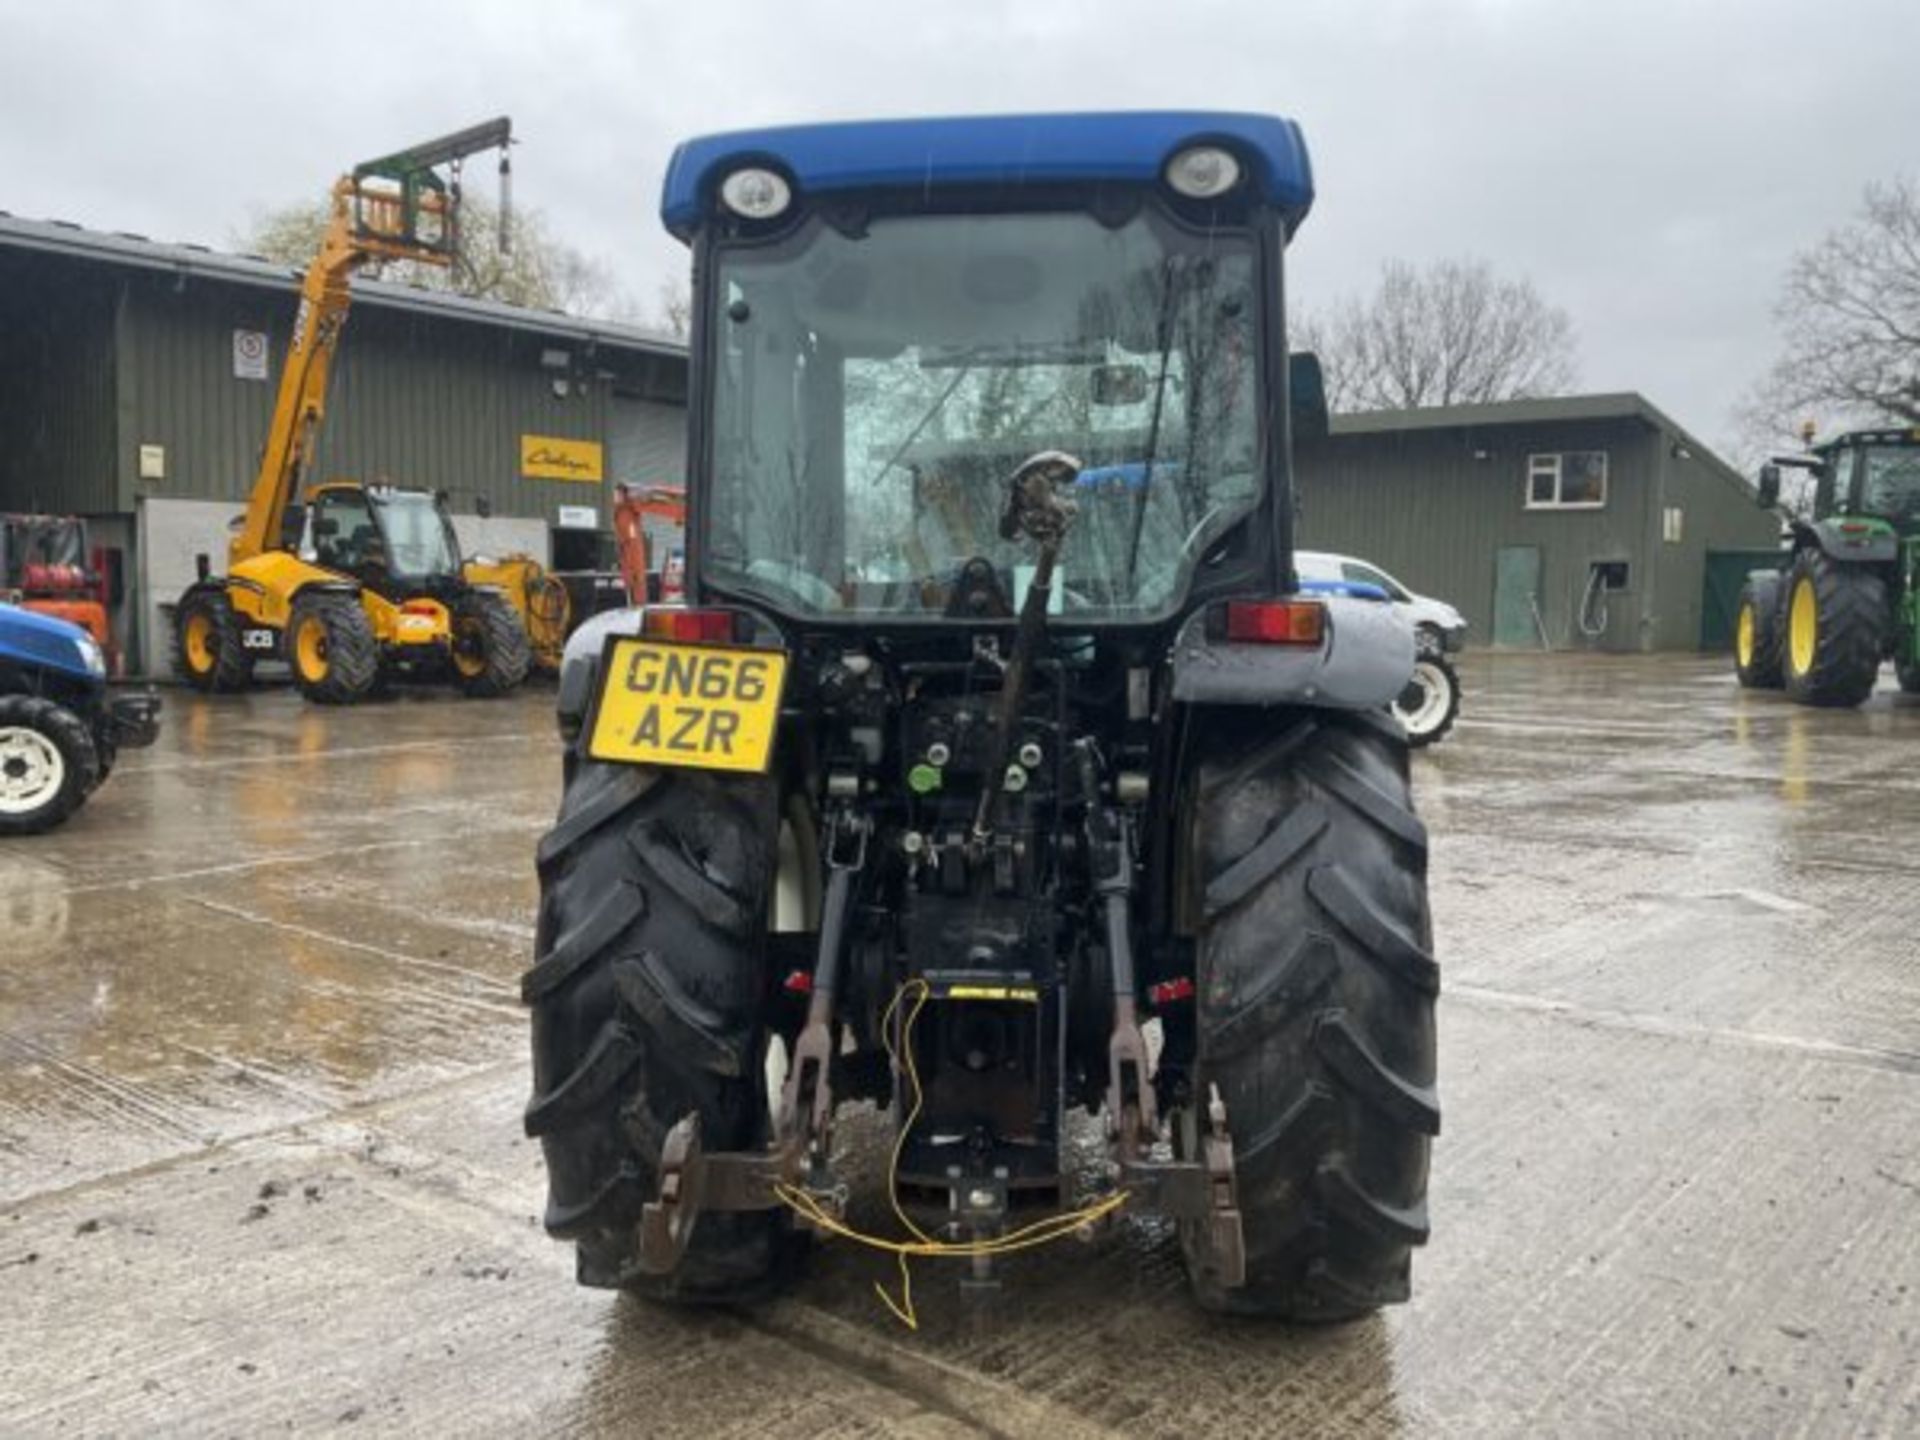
(1432, 619)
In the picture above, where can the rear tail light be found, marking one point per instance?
(1274, 622)
(420, 607)
(691, 627)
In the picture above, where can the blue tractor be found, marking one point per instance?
(996, 765)
(60, 729)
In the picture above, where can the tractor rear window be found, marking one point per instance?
(874, 392)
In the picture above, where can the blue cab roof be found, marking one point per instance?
(1120, 147)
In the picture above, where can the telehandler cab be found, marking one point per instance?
(385, 589)
(994, 736)
(1846, 595)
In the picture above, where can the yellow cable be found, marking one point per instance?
(923, 1245)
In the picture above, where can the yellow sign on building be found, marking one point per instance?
(548, 457)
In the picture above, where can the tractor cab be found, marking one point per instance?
(875, 357)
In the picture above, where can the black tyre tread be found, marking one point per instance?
(1438, 659)
(1849, 635)
(232, 666)
(646, 1010)
(508, 651)
(353, 654)
(1316, 984)
(72, 737)
(1768, 670)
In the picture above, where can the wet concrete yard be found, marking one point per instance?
(262, 1062)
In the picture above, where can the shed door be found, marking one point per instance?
(1516, 595)
(646, 442)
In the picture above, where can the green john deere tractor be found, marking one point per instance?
(1847, 593)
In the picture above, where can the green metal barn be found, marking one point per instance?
(137, 380)
(1584, 522)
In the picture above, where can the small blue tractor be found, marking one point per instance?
(60, 729)
(995, 766)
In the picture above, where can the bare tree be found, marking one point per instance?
(1850, 314)
(673, 310)
(533, 269)
(1451, 334)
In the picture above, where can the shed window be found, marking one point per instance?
(1570, 480)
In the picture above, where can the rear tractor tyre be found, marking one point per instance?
(1836, 621)
(490, 651)
(1759, 638)
(648, 991)
(331, 647)
(207, 649)
(1315, 1018)
(48, 764)
(1430, 704)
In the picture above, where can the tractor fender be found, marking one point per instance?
(580, 664)
(1874, 544)
(1364, 660)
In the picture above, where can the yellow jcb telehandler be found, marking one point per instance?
(371, 581)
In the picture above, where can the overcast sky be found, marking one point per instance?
(1650, 166)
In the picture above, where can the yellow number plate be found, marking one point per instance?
(689, 705)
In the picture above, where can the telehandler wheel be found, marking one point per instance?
(649, 993)
(48, 764)
(331, 646)
(1836, 619)
(207, 652)
(1759, 639)
(490, 648)
(1307, 878)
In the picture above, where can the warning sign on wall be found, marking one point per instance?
(249, 355)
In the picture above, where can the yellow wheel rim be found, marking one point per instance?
(1803, 626)
(310, 650)
(470, 650)
(1743, 637)
(199, 642)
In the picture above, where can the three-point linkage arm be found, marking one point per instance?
(396, 208)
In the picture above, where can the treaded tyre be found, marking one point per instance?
(1315, 1019)
(207, 650)
(1759, 639)
(649, 989)
(48, 764)
(1836, 622)
(491, 652)
(331, 647)
(1430, 704)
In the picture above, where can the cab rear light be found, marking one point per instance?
(688, 627)
(1274, 622)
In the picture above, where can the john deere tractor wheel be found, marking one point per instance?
(331, 647)
(1758, 635)
(207, 653)
(47, 764)
(647, 989)
(490, 649)
(1430, 704)
(1315, 1008)
(1836, 630)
